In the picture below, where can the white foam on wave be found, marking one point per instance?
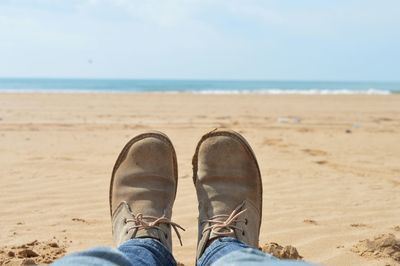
(301, 92)
(216, 91)
(55, 91)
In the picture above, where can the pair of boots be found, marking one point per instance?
(227, 181)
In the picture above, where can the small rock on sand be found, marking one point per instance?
(310, 221)
(79, 220)
(289, 120)
(28, 253)
(358, 225)
(34, 242)
(11, 254)
(27, 262)
(53, 245)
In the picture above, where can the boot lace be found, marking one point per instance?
(225, 227)
(140, 221)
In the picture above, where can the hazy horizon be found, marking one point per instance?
(197, 79)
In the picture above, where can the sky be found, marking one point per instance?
(201, 39)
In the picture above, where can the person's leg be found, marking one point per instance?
(219, 248)
(147, 251)
(104, 256)
(229, 189)
(230, 251)
(139, 251)
(142, 193)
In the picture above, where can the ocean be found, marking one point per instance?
(196, 86)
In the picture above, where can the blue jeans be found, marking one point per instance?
(148, 251)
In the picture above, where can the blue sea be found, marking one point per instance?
(196, 86)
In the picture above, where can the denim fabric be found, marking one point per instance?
(219, 248)
(148, 251)
(138, 251)
(97, 256)
(230, 251)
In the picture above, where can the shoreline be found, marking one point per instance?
(208, 92)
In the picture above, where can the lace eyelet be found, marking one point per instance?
(246, 221)
(166, 236)
(243, 233)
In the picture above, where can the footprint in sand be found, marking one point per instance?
(222, 117)
(314, 152)
(64, 158)
(36, 158)
(275, 143)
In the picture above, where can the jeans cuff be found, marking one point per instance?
(219, 248)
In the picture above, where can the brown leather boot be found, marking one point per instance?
(229, 189)
(143, 189)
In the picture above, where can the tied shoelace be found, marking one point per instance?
(153, 223)
(225, 227)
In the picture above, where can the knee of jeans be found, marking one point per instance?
(245, 256)
(100, 256)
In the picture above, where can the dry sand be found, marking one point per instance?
(330, 166)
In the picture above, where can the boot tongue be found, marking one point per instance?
(222, 231)
(223, 209)
(148, 232)
(213, 235)
(155, 233)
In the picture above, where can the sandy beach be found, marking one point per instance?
(330, 167)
